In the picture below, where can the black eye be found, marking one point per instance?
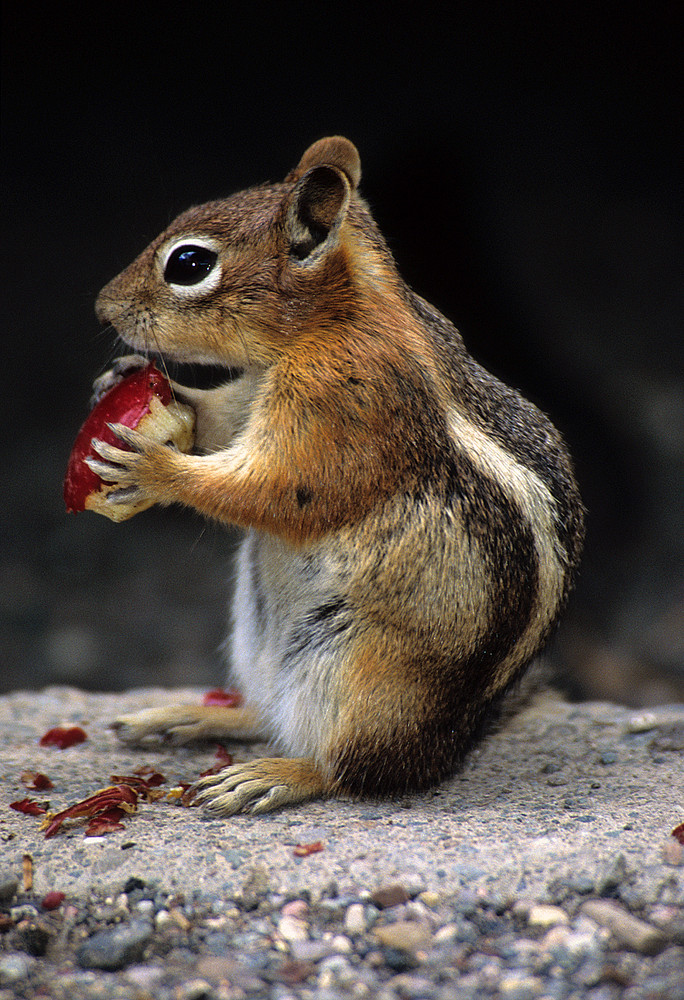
(189, 264)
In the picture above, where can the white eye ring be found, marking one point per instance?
(187, 270)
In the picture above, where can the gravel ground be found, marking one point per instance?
(546, 869)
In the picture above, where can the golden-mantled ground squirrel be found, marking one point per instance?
(411, 524)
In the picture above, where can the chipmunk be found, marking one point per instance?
(412, 525)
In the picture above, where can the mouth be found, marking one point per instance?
(194, 375)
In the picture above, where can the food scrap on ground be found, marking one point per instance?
(304, 850)
(114, 796)
(28, 806)
(223, 759)
(35, 781)
(63, 737)
(52, 900)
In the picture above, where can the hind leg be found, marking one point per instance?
(184, 723)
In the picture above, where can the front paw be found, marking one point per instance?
(124, 468)
(121, 369)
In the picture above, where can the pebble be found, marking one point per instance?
(116, 947)
(629, 931)
(9, 883)
(389, 896)
(405, 935)
(312, 951)
(335, 971)
(570, 948)
(293, 928)
(355, 921)
(542, 917)
(430, 898)
(15, 968)
(520, 987)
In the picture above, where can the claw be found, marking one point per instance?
(134, 439)
(108, 473)
(107, 451)
(121, 367)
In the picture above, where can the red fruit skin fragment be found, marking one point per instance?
(125, 403)
(63, 737)
(304, 850)
(108, 821)
(52, 900)
(218, 696)
(678, 833)
(29, 807)
(35, 781)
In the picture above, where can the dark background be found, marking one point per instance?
(525, 171)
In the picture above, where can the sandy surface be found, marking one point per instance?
(563, 794)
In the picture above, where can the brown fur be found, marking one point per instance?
(413, 524)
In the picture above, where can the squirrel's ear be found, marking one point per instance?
(335, 151)
(317, 206)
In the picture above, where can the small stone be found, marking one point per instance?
(445, 934)
(542, 917)
(334, 972)
(34, 936)
(341, 944)
(355, 919)
(255, 887)
(388, 896)
(23, 912)
(293, 929)
(669, 737)
(116, 947)
(194, 989)
(408, 986)
(616, 872)
(15, 968)
(291, 972)
(216, 968)
(430, 898)
(673, 852)
(296, 908)
(570, 948)
(145, 978)
(519, 987)
(629, 931)
(642, 723)
(405, 935)
(9, 883)
(311, 951)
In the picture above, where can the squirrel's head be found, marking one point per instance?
(237, 282)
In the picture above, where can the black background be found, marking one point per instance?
(524, 168)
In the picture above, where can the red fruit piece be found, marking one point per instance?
(63, 737)
(52, 900)
(219, 696)
(29, 807)
(125, 403)
(304, 850)
(113, 797)
(35, 781)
